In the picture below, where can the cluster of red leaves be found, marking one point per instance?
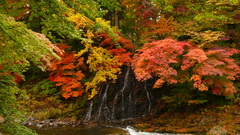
(212, 68)
(154, 58)
(67, 73)
(16, 77)
(145, 12)
(180, 10)
(123, 52)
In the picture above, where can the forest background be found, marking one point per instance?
(57, 54)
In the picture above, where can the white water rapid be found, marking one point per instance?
(132, 131)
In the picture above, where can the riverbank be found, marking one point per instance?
(214, 120)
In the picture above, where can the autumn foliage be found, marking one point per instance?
(100, 65)
(177, 62)
(213, 68)
(121, 48)
(67, 73)
(155, 58)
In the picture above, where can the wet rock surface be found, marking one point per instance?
(33, 122)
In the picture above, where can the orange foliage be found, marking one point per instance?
(162, 26)
(108, 43)
(67, 73)
(122, 53)
(125, 43)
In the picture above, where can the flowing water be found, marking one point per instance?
(148, 96)
(93, 131)
(126, 99)
(103, 110)
(121, 92)
(89, 113)
(82, 131)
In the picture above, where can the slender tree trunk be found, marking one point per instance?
(116, 20)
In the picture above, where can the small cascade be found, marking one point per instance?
(116, 98)
(123, 100)
(103, 111)
(148, 96)
(89, 113)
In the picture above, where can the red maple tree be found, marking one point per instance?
(168, 59)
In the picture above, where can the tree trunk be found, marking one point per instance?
(116, 21)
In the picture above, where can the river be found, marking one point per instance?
(93, 131)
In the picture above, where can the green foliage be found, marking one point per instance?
(111, 5)
(45, 87)
(53, 23)
(50, 17)
(15, 129)
(90, 8)
(8, 110)
(45, 101)
(66, 19)
(19, 46)
(17, 9)
(15, 36)
(184, 95)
